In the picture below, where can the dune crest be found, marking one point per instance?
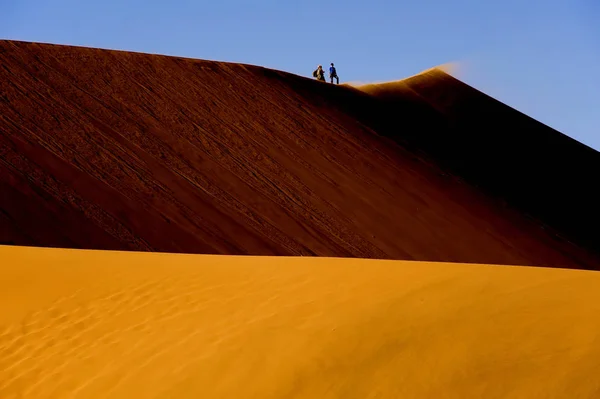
(450, 68)
(87, 324)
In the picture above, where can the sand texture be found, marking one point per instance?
(125, 151)
(100, 324)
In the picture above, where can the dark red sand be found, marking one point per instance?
(114, 150)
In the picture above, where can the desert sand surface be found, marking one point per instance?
(505, 153)
(115, 150)
(99, 324)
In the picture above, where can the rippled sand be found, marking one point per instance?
(95, 324)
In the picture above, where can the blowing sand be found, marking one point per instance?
(89, 324)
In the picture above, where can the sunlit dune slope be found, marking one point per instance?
(113, 150)
(87, 324)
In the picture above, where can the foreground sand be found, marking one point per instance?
(92, 324)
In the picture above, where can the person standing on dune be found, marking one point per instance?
(333, 74)
(319, 73)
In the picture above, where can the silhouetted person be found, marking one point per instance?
(319, 73)
(333, 74)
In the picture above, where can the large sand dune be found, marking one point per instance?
(113, 150)
(507, 154)
(100, 324)
(124, 151)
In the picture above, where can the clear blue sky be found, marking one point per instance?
(540, 57)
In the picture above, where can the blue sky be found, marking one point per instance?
(540, 57)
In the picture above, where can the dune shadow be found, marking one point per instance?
(509, 155)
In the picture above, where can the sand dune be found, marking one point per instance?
(87, 324)
(125, 151)
(510, 156)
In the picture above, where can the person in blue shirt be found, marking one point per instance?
(333, 74)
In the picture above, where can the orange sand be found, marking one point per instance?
(94, 324)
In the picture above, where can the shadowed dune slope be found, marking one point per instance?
(87, 324)
(509, 155)
(114, 150)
